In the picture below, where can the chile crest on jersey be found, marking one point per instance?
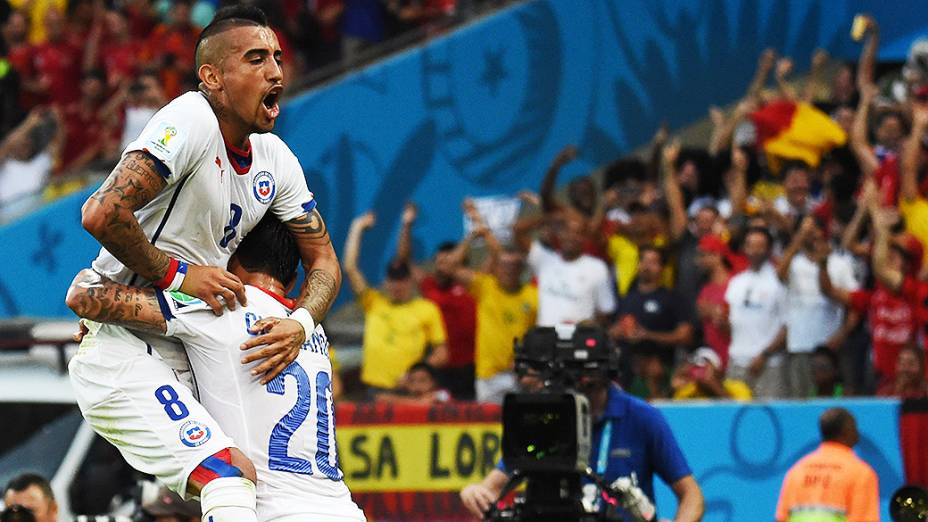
(264, 187)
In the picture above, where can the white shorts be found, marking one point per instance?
(135, 401)
(307, 507)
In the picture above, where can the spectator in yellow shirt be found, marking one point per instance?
(399, 328)
(912, 204)
(506, 309)
(702, 378)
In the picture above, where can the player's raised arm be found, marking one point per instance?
(283, 338)
(323, 275)
(109, 216)
(94, 297)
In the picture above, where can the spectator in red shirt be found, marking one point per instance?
(16, 37)
(54, 65)
(910, 382)
(88, 125)
(894, 306)
(710, 304)
(457, 305)
(113, 48)
(171, 47)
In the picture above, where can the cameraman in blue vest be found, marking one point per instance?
(631, 441)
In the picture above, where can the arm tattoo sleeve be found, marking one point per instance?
(131, 185)
(104, 301)
(310, 226)
(320, 263)
(321, 290)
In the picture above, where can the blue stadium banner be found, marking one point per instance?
(483, 110)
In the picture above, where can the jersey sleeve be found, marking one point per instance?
(669, 462)
(538, 255)
(479, 284)
(369, 298)
(180, 312)
(293, 198)
(860, 300)
(178, 137)
(604, 295)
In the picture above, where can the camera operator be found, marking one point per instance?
(640, 444)
(34, 493)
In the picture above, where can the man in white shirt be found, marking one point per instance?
(757, 314)
(202, 174)
(572, 286)
(811, 318)
(286, 427)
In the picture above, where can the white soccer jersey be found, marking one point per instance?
(208, 207)
(287, 427)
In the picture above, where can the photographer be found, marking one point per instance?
(640, 444)
(34, 493)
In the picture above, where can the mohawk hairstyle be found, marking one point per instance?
(228, 18)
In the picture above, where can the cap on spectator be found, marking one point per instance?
(398, 270)
(704, 356)
(713, 244)
(168, 503)
(912, 249)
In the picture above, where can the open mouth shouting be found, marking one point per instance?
(271, 106)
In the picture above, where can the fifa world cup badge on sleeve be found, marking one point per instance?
(166, 139)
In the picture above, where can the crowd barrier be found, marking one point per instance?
(483, 110)
(406, 463)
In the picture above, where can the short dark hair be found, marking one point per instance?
(27, 480)
(762, 231)
(398, 270)
(426, 367)
(94, 74)
(827, 353)
(651, 248)
(891, 113)
(446, 246)
(229, 17)
(833, 423)
(792, 165)
(269, 248)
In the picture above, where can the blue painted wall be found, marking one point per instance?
(740, 453)
(484, 110)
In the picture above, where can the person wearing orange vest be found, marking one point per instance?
(831, 484)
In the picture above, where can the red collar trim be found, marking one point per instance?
(246, 152)
(286, 301)
(234, 153)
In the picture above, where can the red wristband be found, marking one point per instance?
(165, 281)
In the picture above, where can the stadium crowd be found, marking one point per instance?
(784, 259)
(80, 78)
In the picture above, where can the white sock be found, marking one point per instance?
(229, 499)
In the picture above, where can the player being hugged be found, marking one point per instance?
(287, 426)
(201, 175)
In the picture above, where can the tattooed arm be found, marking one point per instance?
(283, 338)
(98, 299)
(109, 216)
(323, 275)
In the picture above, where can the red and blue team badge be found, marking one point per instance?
(194, 433)
(264, 187)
